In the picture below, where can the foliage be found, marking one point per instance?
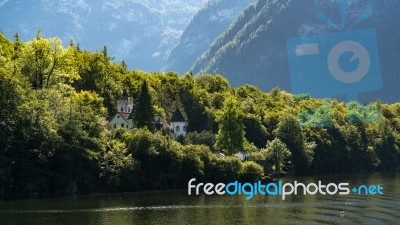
(255, 131)
(228, 169)
(276, 152)
(46, 63)
(55, 102)
(251, 172)
(290, 132)
(206, 138)
(230, 137)
(144, 113)
(115, 163)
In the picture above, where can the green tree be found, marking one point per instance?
(206, 138)
(256, 132)
(277, 152)
(144, 111)
(33, 140)
(75, 165)
(99, 75)
(46, 63)
(230, 138)
(115, 162)
(289, 132)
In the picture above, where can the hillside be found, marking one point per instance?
(55, 136)
(253, 50)
(209, 22)
(140, 32)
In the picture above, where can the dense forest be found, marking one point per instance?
(55, 102)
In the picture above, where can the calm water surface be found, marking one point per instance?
(176, 207)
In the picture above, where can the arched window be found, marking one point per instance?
(129, 109)
(177, 128)
(122, 109)
(122, 125)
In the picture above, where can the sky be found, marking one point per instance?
(2, 2)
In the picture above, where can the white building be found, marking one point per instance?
(242, 156)
(125, 104)
(178, 124)
(121, 120)
(124, 110)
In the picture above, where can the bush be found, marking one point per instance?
(251, 171)
(140, 143)
(226, 169)
(206, 138)
(192, 163)
(254, 156)
(115, 163)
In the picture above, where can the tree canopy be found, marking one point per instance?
(55, 103)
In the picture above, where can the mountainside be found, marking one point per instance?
(212, 20)
(254, 49)
(141, 32)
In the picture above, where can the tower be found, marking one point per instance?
(124, 110)
(178, 124)
(125, 104)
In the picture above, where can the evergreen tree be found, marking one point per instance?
(144, 113)
(54, 139)
(230, 137)
(290, 132)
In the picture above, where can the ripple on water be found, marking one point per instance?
(177, 208)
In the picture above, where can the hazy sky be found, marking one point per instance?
(2, 2)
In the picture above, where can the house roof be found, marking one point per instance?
(124, 116)
(177, 117)
(130, 116)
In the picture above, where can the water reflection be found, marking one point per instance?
(176, 207)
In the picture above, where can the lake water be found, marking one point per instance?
(176, 207)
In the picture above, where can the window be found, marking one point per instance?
(129, 109)
(118, 117)
(122, 109)
(177, 128)
(115, 126)
(122, 125)
(184, 128)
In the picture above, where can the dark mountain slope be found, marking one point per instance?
(212, 20)
(254, 49)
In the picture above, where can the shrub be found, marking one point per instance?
(251, 171)
(225, 169)
(206, 138)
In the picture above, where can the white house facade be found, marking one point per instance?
(178, 124)
(121, 120)
(242, 156)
